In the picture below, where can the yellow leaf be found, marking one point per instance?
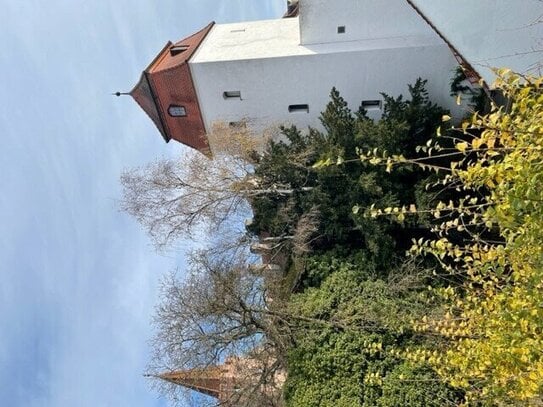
(462, 147)
(476, 143)
(445, 118)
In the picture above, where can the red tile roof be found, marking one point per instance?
(168, 81)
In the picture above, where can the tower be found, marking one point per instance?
(166, 92)
(238, 380)
(209, 381)
(263, 74)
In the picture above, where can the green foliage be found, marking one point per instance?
(319, 267)
(405, 385)
(354, 282)
(492, 319)
(284, 164)
(355, 299)
(348, 363)
(405, 124)
(332, 369)
(325, 369)
(460, 89)
(334, 189)
(339, 123)
(498, 309)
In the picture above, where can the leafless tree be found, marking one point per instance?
(171, 198)
(304, 234)
(220, 310)
(175, 198)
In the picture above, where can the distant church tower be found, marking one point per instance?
(223, 382)
(209, 381)
(261, 74)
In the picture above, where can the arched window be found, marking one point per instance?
(177, 111)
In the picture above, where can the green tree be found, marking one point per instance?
(493, 319)
(333, 190)
(352, 362)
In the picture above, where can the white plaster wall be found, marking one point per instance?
(269, 85)
(250, 40)
(491, 33)
(281, 37)
(363, 19)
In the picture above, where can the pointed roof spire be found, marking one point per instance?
(208, 380)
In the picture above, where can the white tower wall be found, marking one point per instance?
(362, 19)
(272, 71)
(491, 33)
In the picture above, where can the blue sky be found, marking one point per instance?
(79, 278)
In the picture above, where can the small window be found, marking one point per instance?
(237, 125)
(371, 104)
(177, 49)
(231, 94)
(177, 111)
(341, 29)
(298, 108)
(239, 30)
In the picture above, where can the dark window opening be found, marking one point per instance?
(237, 125)
(341, 29)
(232, 94)
(177, 111)
(371, 104)
(177, 49)
(298, 108)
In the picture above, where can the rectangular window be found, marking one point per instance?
(239, 30)
(232, 94)
(237, 125)
(371, 104)
(341, 29)
(298, 108)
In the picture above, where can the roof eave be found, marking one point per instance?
(483, 84)
(167, 134)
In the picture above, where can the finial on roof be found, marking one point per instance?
(120, 93)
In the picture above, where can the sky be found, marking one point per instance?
(79, 278)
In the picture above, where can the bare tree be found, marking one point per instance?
(171, 198)
(218, 312)
(174, 198)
